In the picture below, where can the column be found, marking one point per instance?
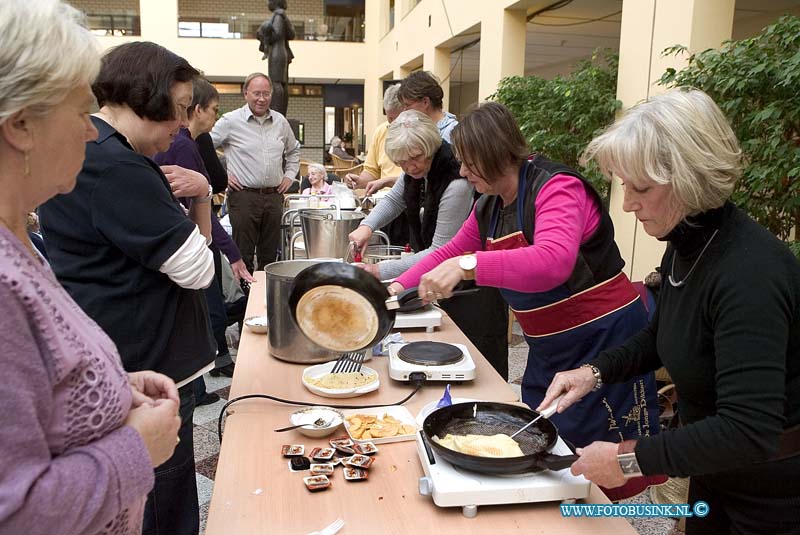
(437, 61)
(502, 47)
(159, 20)
(376, 17)
(400, 72)
(649, 27)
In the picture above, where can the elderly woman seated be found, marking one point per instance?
(337, 149)
(317, 181)
(436, 200)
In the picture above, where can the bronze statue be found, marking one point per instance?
(274, 36)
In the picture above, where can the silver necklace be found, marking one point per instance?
(671, 278)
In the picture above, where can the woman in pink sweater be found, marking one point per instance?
(540, 233)
(79, 437)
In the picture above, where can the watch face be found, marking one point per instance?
(628, 464)
(468, 262)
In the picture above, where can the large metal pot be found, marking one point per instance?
(325, 232)
(285, 339)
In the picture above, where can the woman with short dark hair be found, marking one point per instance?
(124, 248)
(435, 200)
(541, 235)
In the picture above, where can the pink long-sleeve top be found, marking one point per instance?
(68, 464)
(566, 216)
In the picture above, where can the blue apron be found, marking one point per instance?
(564, 331)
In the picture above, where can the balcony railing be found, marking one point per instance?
(117, 24)
(244, 26)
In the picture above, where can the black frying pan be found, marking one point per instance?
(409, 300)
(492, 418)
(381, 305)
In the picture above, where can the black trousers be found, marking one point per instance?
(172, 507)
(484, 319)
(759, 498)
(256, 222)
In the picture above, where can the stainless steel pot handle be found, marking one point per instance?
(316, 214)
(292, 242)
(383, 236)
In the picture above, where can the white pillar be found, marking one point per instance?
(649, 27)
(437, 61)
(502, 48)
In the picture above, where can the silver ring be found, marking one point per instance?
(429, 292)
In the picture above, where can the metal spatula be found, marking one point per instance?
(547, 413)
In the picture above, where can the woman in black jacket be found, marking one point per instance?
(727, 325)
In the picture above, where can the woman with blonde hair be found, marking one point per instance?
(79, 437)
(727, 325)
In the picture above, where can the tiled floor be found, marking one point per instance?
(206, 443)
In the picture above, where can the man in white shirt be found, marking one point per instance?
(263, 159)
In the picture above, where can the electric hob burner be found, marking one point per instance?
(438, 361)
(430, 353)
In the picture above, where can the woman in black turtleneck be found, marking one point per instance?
(727, 325)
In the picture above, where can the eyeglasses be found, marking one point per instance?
(261, 94)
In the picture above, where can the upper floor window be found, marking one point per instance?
(315, 20)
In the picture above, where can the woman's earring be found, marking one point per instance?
(27, 165)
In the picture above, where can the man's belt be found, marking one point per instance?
(261, 190)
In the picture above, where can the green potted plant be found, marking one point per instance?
(559, 117)
(755, 83)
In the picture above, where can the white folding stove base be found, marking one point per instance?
(463, 370)
(451, 486)
(428, 318)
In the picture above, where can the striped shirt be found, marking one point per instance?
(255, 147)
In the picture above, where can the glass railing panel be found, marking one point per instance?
(244, 26)
(116, 24)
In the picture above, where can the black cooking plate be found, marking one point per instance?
(492, 418)
(429, 353)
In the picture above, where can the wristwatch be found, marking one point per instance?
(627, 459)
(468, 263)
(207, 198)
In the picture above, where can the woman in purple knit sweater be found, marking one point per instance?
(79, 437)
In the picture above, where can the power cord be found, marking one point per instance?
(416, 379)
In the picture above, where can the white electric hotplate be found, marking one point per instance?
(428, 317)
(463, 370)
(451, 486)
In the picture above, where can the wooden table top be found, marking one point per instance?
(254, 491)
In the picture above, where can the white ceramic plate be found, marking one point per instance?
(315, 372)
(395, 411)
(257, 324)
